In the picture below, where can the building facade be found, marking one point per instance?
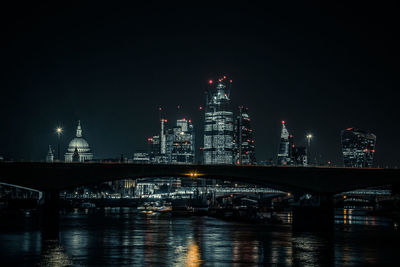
(218, 124)
(358, 148)
(244, 139)
(141, 157)
(78, 147)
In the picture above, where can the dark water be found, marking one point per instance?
(122, 236)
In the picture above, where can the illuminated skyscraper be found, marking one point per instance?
(218, 124)
(358, 148)
(244, 139)
(284, 149)
(180, 143)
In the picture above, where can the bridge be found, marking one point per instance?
(318, 180)
(322, 182)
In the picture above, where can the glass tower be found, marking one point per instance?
(244, 139)
(358, 148)
(218, 124)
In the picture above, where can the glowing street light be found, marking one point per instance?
(309, 136)
(59, 131)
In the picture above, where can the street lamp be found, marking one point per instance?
(59, 131)
(309, 137)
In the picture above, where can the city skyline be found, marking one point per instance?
(114, 78)
(198, 148)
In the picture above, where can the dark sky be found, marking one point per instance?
(320, 67)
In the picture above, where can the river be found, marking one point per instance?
(124, 236)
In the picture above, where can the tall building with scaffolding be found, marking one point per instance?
(284, 147)
(244, 139)
(358, 148)
(218, 123)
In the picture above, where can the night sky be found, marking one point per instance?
(319, 67)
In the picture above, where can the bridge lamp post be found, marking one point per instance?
(59, 131)
(309, 137)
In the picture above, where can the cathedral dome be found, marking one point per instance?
(78, 146)
(80, 143)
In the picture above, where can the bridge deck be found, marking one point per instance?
(324, 180)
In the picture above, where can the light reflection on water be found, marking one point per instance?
(122, 236)
(360, 217)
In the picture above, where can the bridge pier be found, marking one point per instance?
(50, 214)
(315, 214)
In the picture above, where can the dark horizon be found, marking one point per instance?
(321, 68)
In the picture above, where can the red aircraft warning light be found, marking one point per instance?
(210, 81)
(283, 122)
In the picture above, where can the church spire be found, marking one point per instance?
(50, 156)
(79, 130)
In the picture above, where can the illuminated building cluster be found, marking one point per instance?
(358, 148)
(175, 145)
(226, 141)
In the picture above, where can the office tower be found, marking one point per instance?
(358, 148)
(244, 139)
(218, 123)
(180, 143)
